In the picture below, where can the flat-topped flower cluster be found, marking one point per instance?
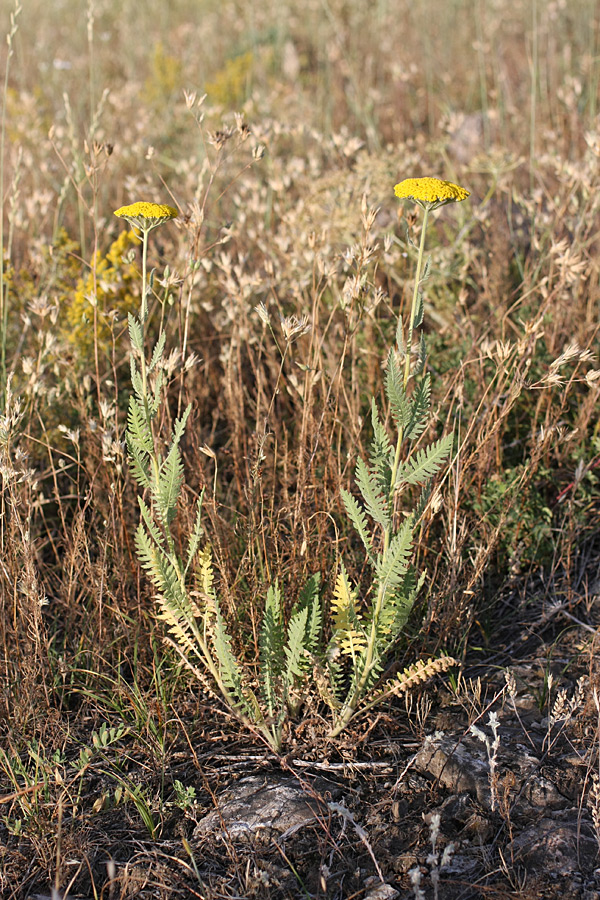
(431, 192)
(146, 216)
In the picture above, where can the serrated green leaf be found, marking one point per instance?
(135, 333)
(151, 526)
(169, 485)
(425, 463)
(138, 464)
(171, 474)
(426, 269)
(395, 393)
(173, 604)
(422, 356)
(179, 427)
(163, 573)
(156, 393)
(138, 430)
(158, 351)
(393, 564)
(400, 344)
(420, 404)
(359, 520)
(196, 534)
(271, 647)
(229, 669)
(381, 456)
(418, 319)
(377, 505)
(309, 599)
(421, 504)
(136, 381)
(294, 648)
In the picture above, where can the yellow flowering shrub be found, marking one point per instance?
(165, 79)
(117, 283)
(229, 86)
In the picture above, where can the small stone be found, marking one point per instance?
(258, 809)
(380, 891)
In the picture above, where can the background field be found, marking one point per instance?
(313, 111)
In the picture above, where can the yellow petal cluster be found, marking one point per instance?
(430, 191)
(144, 210)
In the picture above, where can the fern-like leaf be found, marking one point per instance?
(178, 627)
(135, 333)
(377, 505)
(309, 599)
(426, 462)
(156, 393)
(349, 635)
(393, 564)
(229, 669)
(195, 535)
(158, 351)
(136, 380)
(422, 356)
(400, 342)
(171, 474)
(418, 320)
(138, 464)
(359, 520)
(421, 504)
(138, 430)
(174, 605)
(271, 647)
(419, 409)
(163, 573)
(395, 393)
(207, 575)
(294, 648)
(179, 427)
(396, 610)
(169, 485)
(151, 526)
(382, 455)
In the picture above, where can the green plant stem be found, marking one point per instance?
(144, 309)
(415, 298)
(411, 327)
(143, 366)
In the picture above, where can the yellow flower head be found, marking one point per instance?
(430, 192)
(147, 215)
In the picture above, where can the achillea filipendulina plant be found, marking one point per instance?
(187, 598)
(362, 639)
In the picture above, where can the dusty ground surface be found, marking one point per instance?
(355, 818)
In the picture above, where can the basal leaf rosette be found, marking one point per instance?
(146, 216)
(430, 193)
